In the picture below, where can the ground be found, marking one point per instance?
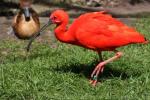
(52, 70)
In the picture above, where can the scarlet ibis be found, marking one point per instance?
(97, 31)
(26, 22)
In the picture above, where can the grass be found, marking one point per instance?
(62, 72)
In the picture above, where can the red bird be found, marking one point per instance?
(96, 31)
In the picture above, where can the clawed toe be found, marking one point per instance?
(93, 82)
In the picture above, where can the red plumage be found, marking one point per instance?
(97, 31)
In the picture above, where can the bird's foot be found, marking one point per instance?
(94, 76)
(93, 81)
(99, 69)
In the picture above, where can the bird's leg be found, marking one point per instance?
(99, 67)
(101, 59)
(100, 56)
(94, 79)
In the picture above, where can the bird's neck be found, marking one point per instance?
(62, 34)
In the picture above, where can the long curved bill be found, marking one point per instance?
(37, 34)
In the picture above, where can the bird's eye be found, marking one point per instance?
(54, 17)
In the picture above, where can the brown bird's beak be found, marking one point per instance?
(38, 34)
(26, 13)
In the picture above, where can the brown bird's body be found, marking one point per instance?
(25, 26)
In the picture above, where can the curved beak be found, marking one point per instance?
(38, 34)
(27, 13)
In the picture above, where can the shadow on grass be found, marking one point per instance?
(86, 70)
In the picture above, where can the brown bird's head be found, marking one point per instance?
(25, 6)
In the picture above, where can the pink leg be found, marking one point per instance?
(101, 60)
(99, 68)
(94, 80)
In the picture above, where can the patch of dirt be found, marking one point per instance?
(4, 27)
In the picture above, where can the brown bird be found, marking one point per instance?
(26, 22)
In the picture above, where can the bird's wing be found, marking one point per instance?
(35, 16)
(101, 29)
(95, 22)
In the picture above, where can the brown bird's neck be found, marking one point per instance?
(34, 16)
(62, 34)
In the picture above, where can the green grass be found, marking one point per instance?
(62, 72)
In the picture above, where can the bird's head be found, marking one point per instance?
(59, 17)
(25, 5)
